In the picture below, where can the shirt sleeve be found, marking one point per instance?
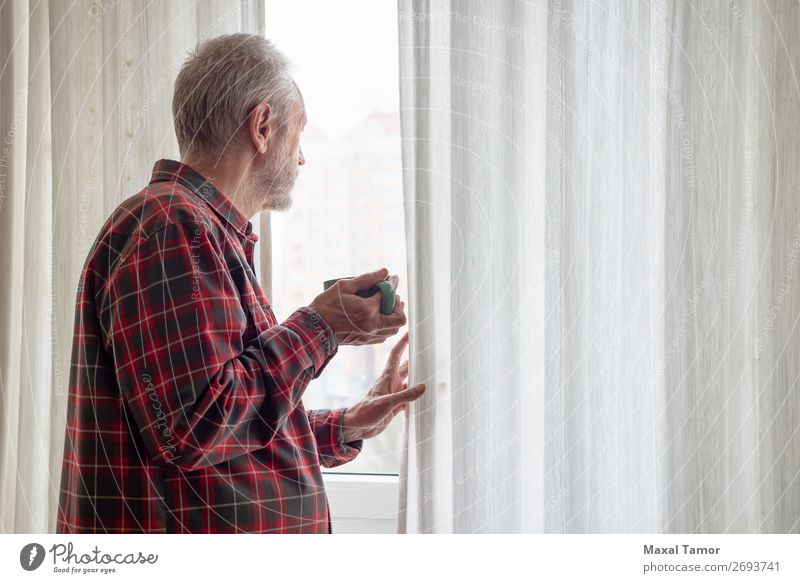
(329, 433)
(174, 323)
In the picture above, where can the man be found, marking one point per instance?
(185, 409)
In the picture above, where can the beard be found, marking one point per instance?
(274, 183)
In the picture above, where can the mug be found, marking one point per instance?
(386, 288)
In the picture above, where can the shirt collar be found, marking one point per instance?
(173, 171)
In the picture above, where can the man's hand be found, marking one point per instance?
(357, 320)
(386, 398)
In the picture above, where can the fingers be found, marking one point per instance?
(404, 396)
(397, 352)
(378, 337)
(399, 408)
(397, 319)
(403, 372)
(364, 281)
(388, 326)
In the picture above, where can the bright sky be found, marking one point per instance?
(344, 61)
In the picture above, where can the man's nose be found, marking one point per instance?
(302, 159)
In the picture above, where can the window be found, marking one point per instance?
(347, 211)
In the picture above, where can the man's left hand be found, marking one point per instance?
(388, 397)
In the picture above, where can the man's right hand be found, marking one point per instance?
(356, 320)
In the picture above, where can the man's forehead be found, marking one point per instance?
(301, 104)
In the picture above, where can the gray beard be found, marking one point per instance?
(275, 183)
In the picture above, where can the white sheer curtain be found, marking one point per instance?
(472, 111)
(604, 290)
(87, 89)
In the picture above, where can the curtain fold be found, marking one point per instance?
(472, 107)
(603, 223)
(86, 111)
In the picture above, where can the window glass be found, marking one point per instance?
(347, 211)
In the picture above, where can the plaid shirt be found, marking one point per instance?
(185, 409)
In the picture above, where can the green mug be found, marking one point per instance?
(386, 288)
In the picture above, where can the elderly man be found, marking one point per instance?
(185, 405)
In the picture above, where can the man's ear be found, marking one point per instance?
(258, 126)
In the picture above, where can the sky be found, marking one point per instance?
(345, 63)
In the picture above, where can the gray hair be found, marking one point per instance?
(218, 86)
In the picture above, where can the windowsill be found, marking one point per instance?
(362, 503)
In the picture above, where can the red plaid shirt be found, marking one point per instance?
(185, 409)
